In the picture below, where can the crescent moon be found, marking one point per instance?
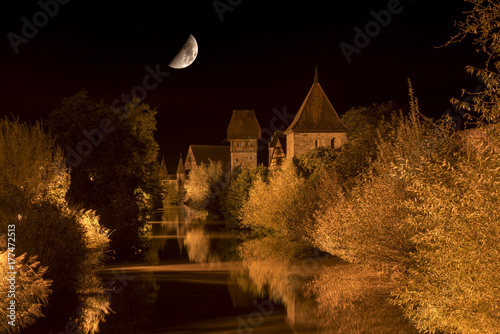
(186, 55)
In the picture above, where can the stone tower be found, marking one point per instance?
(243, 133)
(315, 124)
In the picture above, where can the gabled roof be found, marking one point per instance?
(205, 153)
(277, 149)
(243, 125)
(279, 140)
(317, 113)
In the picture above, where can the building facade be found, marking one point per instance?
(243, 134)
(316, 124)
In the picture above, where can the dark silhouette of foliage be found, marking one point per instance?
(118, 178)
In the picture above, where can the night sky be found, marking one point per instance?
(261, 56)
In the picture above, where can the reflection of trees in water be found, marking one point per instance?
(355, 299)
(95, 304)
(202, 248)
(175, 220)
(272, 266)
(198, 246)
(276, 271)
(130, 305)
(337, 297)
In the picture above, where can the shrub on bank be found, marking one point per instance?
(236, 193)
(69, 244)
(274, 206)
(427, 213)
(31, 292)
(206, 185)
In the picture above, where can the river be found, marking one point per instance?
(199, 277)
(188, 284)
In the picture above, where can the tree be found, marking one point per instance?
(426, 212)
(311, 164)
(69, 244)
(367, 125)
(205, 187)
(238, 190)
(113, 158)
(273, 207)
(483, 25)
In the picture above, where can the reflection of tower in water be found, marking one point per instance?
(181, 235)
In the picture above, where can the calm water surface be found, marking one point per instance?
(188, 284)
(199, 277)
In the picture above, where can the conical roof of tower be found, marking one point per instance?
(180, 166)
(243, 125)
(316, 114)
(163, 168)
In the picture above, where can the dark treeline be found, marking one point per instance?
(79, 191)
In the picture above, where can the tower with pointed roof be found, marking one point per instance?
(243, 133)
(163, 173)
(181, 171)
(316, 124)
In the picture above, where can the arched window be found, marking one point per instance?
(333, 142)
(315, 143)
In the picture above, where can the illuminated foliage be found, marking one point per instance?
(69, 244)
(482, 23)
(236, 193)
(454, 283)
(311, 164)
(31, 293)
(171, 194)
(205, 187)
(31, 161)
(427, 214)
(366, 125)
(273, 206)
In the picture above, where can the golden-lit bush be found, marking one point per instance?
(237, 192)
(454, 284)
(274, 206)
(31, 294)
(171, 195)
(70, 244)
(30, 160)
(366, 225)
(205, 187)
(428, 212)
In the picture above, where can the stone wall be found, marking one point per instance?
(299, 143)
(247, 160)
(243, 153)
